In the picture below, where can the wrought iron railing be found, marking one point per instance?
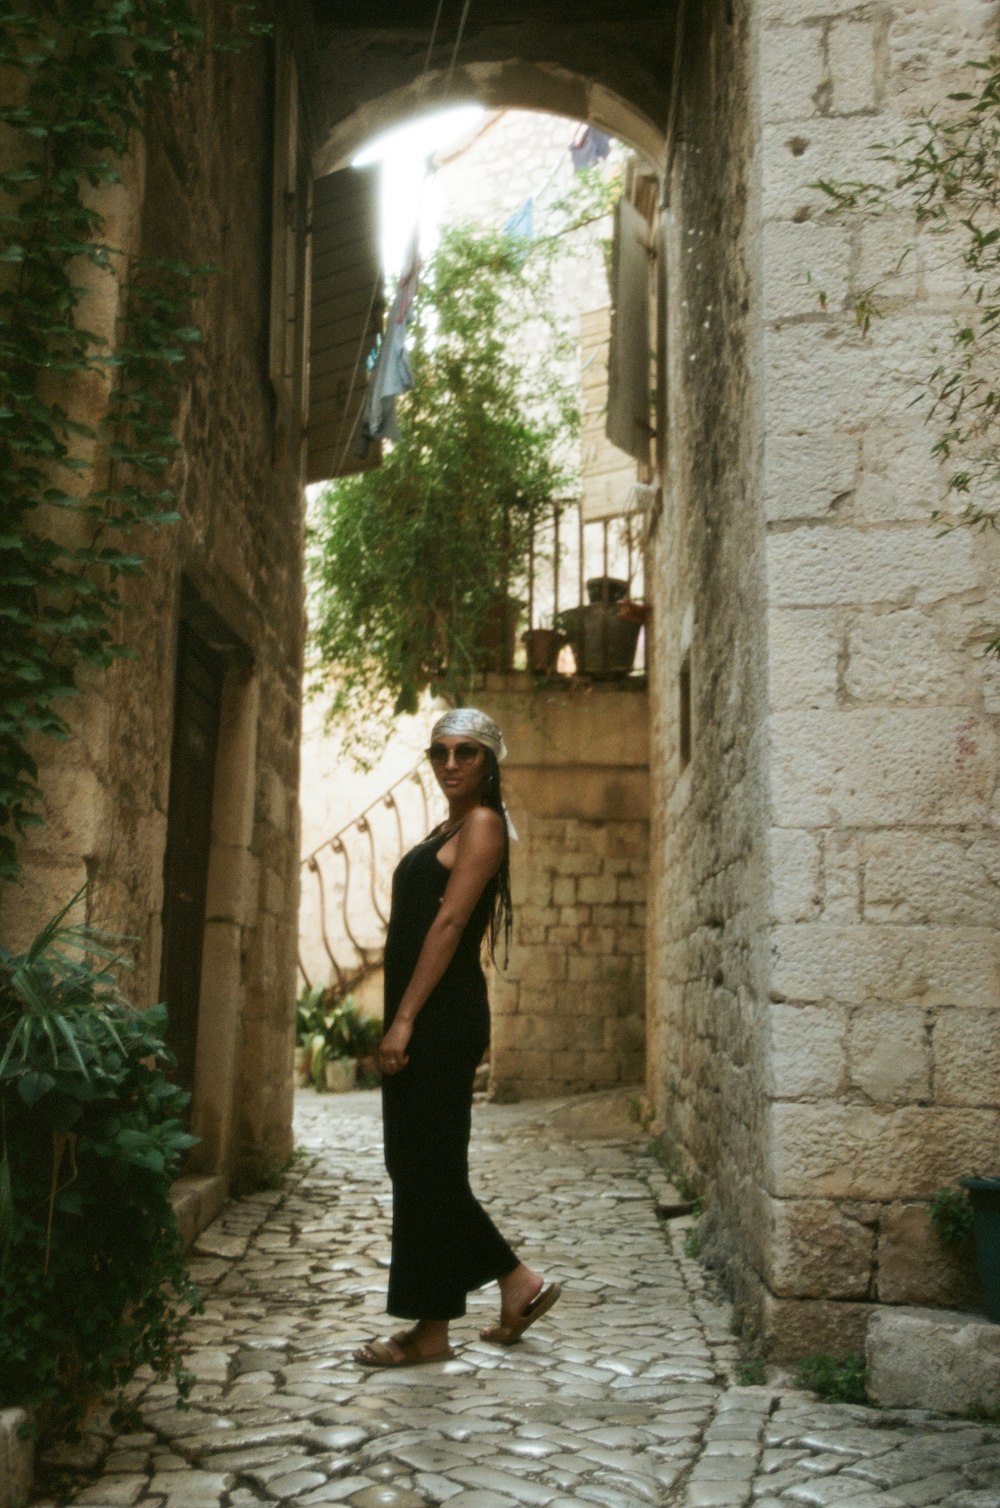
(345, 883)
(585, 581)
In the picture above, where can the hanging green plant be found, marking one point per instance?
(418, 569)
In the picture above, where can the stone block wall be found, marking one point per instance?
(200, 189)
(708, 985)
(824, 1025)
(884, 1034)
(568, 1011)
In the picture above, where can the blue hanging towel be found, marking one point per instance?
(521, 225)
(391, 373)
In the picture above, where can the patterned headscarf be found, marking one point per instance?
(476, 724)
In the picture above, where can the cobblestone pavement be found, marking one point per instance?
(623, 1397)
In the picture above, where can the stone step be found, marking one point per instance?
(937, 1359)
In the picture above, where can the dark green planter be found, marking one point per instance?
(984, 1196)
(603, 644)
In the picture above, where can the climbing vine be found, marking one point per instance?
(944, 175)
(75, 491)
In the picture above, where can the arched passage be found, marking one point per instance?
(569, 1006)
(679, 87)
(821, 1004)
(498, 86)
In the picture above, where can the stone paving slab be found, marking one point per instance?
(623, 1398)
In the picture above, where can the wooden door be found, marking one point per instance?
(189, 834)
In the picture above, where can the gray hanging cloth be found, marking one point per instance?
(588, 147)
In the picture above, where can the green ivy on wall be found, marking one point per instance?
(78, 73)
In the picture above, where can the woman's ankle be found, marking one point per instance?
(434, 1332)
(521, 1281)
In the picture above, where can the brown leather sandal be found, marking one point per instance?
(506, 1334)
(394, 1352)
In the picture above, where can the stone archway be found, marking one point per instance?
(804, 1030)
(569, 1012)
(822, 1006)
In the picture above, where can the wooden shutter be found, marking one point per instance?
(345, 318)
(629, 375)
(607, 476)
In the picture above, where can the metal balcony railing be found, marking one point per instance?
(579, 575)
(345, 883)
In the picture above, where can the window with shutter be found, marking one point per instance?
(347, 309)
(629, 423)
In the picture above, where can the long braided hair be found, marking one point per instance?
(502, 913)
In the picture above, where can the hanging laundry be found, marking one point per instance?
(521, 225)
(588, 147)
(391, 373)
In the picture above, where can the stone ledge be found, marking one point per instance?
(933, 1359)
(196, 1202)
(17, 1460)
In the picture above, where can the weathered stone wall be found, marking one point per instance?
(708, 968)
(884, 1037)
(824, 1033)
(204, 195)
(568, 1010)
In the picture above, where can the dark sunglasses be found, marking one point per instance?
(464, 753)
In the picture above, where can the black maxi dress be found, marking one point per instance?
(443, 1243)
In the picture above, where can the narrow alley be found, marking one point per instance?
(626, 1396)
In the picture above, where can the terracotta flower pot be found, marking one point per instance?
(543, 646)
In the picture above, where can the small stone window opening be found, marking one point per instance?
(684, 710)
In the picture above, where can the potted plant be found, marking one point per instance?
(498, 633)
(308, 1022)
(606, 589)
(542, 645)
(604, 632)
(347, 1039)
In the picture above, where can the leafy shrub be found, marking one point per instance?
(93, 1281)
(309, 1014)
(840, 1379)
(334, 1028)
(951, 1214)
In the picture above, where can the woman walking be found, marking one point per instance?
(447, 893)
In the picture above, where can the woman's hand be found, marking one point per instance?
(392, 1054)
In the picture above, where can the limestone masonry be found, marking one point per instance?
(790, 859)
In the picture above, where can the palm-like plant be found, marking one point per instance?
(94, 1279)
